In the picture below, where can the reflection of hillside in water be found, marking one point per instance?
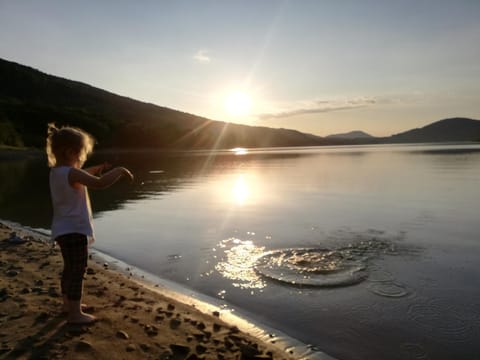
(25, 195)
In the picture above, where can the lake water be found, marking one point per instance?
(364, 252)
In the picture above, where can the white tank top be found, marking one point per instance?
(71, 206)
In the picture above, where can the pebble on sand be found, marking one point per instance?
(83, 346)
(131, 347)
(12, 273)
(175, 323)
(179, 350)
(122, 334)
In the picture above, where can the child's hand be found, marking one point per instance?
(127, 173)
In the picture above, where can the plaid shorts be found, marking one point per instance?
(75, 255)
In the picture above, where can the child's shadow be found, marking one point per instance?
(48, 339)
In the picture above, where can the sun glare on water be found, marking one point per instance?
(240, 190)
(238, 104)
(239, 151)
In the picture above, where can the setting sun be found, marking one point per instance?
(238, 104)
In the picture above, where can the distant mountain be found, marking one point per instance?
(29, 99)
(357, 134)
(454, 129)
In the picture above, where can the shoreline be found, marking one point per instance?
(8, 152)
(158, 317)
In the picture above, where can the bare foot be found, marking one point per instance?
(81, 319)
(65, 307)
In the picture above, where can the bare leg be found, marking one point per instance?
(65, 304)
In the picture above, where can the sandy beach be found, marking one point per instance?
(134, 322)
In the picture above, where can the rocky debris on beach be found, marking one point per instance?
(131, 347)
(132, 322)
(122, 334)
(15, 239)
(83, 346)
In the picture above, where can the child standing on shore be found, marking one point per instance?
(67, 150)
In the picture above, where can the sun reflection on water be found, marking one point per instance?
(240, 190)
(238, 265)
(239, 151)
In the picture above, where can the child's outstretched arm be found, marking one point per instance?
(98, 169)
(83, 177)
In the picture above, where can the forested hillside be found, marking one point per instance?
(29, 99)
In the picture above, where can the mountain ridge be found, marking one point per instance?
(30, 99)
(354, 134)
(451, 129)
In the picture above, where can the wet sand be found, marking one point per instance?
(134, 322)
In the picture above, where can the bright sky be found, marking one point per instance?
(320, 66)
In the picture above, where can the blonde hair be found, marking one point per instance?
(59, 140)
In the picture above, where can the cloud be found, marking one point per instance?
(320, 106)
(202, 57)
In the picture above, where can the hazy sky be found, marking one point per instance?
(313, 65)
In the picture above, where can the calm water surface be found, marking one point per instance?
(365, 252)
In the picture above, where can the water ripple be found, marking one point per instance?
(342, 265)
(389, 289)
(311, 267)
(442, 320)
(414, 351)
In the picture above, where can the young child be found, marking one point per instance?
(67, 150)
